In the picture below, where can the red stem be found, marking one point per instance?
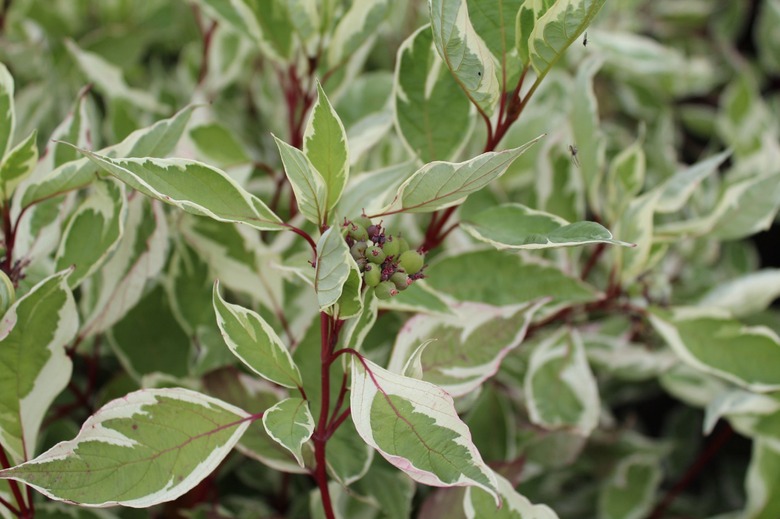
(320, 438)
(10, 238)
(15, 490)
(10, 507)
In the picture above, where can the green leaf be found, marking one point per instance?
(237, 14)
(290, 424)
(7, 112)
(34, 368)
(219, 144)
(193, 187)
(355, 331)
(431, 114)
(636, 225)
(630, 492)
(529, 12)
(372, 191)
(146, 448)
(255, 343)
(19, 163)
(305, 18)
(392, 490)
(710, 341)
(348, 456)
(677, 189)
(494, 22)
(500, 278)
(93, 231)
(745, 295)
(335, 266)
(311, 191)
(559, 385)
(477, 504)
(350, 303)
(419, 298)
(444, 184)
(557, 28)
(157, 140)
(762, 481)
(413, 424)
(325, 145)
(358, 24)
(625, 177)
(515, 226)
(468, 345)
(465, 53)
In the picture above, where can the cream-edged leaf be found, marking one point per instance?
(311, 192)
(335, 265)
(290, 424)
(19, 163)
(357, 25)
(478, 504)
(7, 112)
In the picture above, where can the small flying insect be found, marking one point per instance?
(585, 39)
(573, 150)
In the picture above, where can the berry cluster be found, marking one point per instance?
(387, 263)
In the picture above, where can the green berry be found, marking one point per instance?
(375, 254)
(411, 261)
(400, 280)
(357, 232)
(362, 221)
(385, 290)
(390, 246)
(403, 245)
(358, 249)
(372, 275)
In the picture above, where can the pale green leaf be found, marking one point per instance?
(560, 26)
(438, 185)
(625, 177)
(93, 231)
(193, 187)
(636, 226)
(527, 14)
(33, 365)
(355, 331)
(413, 424)
(432, 115)
(391, 489)
(677, 189)
(255, 343)
(418, 298)
(305, 17)
(466, 55)
(350, 303)
(762, 481)
(468, 345)
(311, 191)
(18, 164)
(745, 295)
(478, 504)
(515, 226)
(739, 403)
(146, 448)
(219, 144)
(334, 267)
(7, 112)
(236, 14)
(711, 341)
(494, 22)
(348, 456)
(767, 39)
(290, 424)
(630, 492)
(371, 192)
(560, 388)
(325, 145)
(358, 24)
(367, 132)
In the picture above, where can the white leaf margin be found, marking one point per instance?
(308, 426)
(512, 501)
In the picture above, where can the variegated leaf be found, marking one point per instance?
(146, 448)
(478, 504)
(19, 163)
(630, 492)
(357, 25)
(290, 424)
(7, 112)
(311, 191)
(335, 265)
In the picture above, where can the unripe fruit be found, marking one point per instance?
(373, 276)
(362, 221)
(411, 261)
(357, 232)
(403, 245)
(385, 290)
(361, 263)
(390, 246)
(400, 280)
(373, 230)
(375, 254)
(358, 249)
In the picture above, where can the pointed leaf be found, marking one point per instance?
(325, 145)
(358, 24)
(7, 112)
(515, 226)
(414, 425)
(309, 187)
(677, 189)
(558, 28)
(560, 387)
(495, 24)
(334, 267)
(193, 187)
(146, 448)
(444, 184)
(350, 303)
(432, 115)
(290, 424)
(93, 231)
(630, 492)
(746, 294)
(464, 52)
(468, 346)
(477, 504)
(255, 343)
(33, 365)
(19, 163)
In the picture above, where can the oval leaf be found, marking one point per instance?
(309, 187)
(7, 113)
(255, 343)
(146, 448)
(415, 427)
(477, 504)
(19, 163)
(334, 267)
(290, 424)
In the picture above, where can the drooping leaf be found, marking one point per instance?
(19, 163)
(325, 145)
(515, 226)
(93, 231)
(630, 491)
(560, 26)
(149, 447)
(335, 265)
(311, 191)
(444, 184)
(357, 25)
(745, 295)
(465, 53)
(255, 343)
(432, 115)
(560, 387)
(711, 341)
(290, 424)
(467, 346)
(413, 424)
(477, 503)
(7, 112)
(193, 187)
(33, 365)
